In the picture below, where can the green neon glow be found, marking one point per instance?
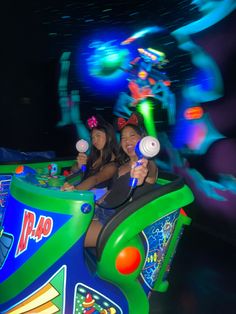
(146, 109)
(112, 57)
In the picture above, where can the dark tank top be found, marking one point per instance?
(104, 184)
(120, 190)
(118, 194)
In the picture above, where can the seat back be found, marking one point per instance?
(139, 242)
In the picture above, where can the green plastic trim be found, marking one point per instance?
(48, 199)
(68, 203)
(127, 234)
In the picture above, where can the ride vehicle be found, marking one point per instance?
(44, 267)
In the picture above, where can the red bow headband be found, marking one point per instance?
(121, 122)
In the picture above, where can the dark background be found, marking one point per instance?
(36, 33)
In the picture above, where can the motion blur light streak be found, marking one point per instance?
(142, 33)
(146, 109)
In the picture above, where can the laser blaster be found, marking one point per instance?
(82, 146)
(147, 147)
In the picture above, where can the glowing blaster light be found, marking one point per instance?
(143, 32)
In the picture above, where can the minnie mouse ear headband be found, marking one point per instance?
(133, 120)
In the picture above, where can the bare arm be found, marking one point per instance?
(152, 172)
(106, 173)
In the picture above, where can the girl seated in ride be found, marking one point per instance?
(131, 131)
(101, 163)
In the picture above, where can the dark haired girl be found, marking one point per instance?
(101, 163)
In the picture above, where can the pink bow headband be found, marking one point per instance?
(92, 122)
